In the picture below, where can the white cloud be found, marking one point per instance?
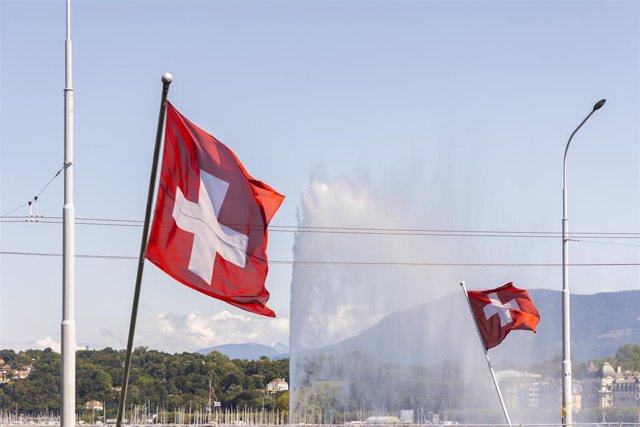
(47, 342)
(192, 331)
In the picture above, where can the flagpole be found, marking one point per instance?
(167, 78)
(68, 326)
(486, 355)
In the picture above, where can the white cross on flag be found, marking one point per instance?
(498, 311)
(210, 222)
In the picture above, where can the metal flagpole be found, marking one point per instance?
(167, 78)
(486, 355)
(68, 327)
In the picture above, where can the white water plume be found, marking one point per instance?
(362, 339)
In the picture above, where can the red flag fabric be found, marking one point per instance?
(210, 222)
(498, 311)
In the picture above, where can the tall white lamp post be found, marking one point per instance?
(68, 326)
(567, 398)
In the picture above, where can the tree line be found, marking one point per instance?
(335, 387)
(158, 379)
(332, 387)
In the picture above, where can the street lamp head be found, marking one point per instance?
(599, 104)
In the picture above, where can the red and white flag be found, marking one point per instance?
(498, 311)
(210, 222)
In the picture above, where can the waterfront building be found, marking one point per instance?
(520, 389)
(278, 384)
(531, 391)
(606, 387)
(94, 405)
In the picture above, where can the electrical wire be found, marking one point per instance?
(109, 222)
(356, 263)
(603, 243)
(15, 209)
(35, 198)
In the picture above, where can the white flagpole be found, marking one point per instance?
(486, 355)
(68, 327)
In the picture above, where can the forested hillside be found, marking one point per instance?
(157, 378)
(173, 381)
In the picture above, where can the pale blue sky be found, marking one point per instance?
(462, 108)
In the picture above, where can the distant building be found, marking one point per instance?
(279, 384)
(520, 389)
(602, 388)
(626, 389)
(605, 388)
(529, 390)
(383, 420)
(23, 372)
(5, 372)
(94, 405)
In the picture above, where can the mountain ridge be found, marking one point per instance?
(424, 334)
(249, 351)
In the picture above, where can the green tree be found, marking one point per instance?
(628, 357)
(162, 379)
(282, 401)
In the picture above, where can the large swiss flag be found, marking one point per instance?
(210, 222)
(498, 311)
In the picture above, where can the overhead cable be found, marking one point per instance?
(357, 263)
(360, 230)
(34, 199)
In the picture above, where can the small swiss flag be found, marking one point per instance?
(210, 222)
(498, 311)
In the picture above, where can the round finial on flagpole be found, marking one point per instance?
(167, 78)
